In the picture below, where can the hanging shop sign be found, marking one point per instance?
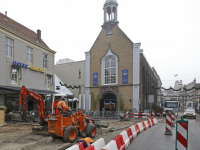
(95, 79)
(19, 64)
(125, 76)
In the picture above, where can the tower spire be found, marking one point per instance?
(110, 16)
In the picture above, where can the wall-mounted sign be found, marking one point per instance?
(95, 79)
(20, 64)
(26, 66)
(36, 69)
(125, 76)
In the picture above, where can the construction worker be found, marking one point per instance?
(86, 141)
(61, 104)
(55, 106)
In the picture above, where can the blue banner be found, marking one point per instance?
(125, 76)
(95, 79)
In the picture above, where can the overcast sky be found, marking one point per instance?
(169, 30)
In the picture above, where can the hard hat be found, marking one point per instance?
(62, 98)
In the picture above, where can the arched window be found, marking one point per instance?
(109, 68)
(109, 13)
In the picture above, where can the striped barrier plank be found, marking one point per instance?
(133, 131)
(120, 142)
(125, 138)
(130, 134)
(141, 127)
(137, 129)
(112, 145)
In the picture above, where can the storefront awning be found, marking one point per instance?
(17, 89)
(109, 102)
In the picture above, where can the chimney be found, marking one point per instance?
(38, 36)
(5, 13)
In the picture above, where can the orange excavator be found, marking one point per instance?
(44, 106)
(26, 94)
(68, 125)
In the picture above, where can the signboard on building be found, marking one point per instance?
(125, 76)
(95, 79)
(19, 64)
(151, 98)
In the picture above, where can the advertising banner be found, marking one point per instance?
(125, 76)
(95, 79)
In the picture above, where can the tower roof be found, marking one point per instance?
(108, 1)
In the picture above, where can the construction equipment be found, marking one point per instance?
(68, 125)
(44, 106)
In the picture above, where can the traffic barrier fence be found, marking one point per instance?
(122, 141)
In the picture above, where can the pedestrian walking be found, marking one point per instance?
(103, 112)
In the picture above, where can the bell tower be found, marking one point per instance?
(110, 16)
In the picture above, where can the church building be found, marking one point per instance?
(112, 67)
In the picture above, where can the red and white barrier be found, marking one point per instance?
(153, 114)
(125, 138)
(140, 115)
(97, 145)
(168, 124)
(149, 123)
(137, 128)
(91, 147)
(144, 126)
(120, 142)
(181, 134)
(173, 124)
(148, 116)
(130, 134)
(78, 146)
(155, 121)
(133, 131)
(141, 127)
(131, 114)
(112, 145)
(126, 114)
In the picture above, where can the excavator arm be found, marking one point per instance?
(25, 94)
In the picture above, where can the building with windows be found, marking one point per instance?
(148, 78)
(73, 73)
(25, 59)
(112, 68)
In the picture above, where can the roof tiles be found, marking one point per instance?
(20, 29)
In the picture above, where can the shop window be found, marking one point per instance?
(45, 60)
(14, 77)
(9, 47)
(29, 55)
